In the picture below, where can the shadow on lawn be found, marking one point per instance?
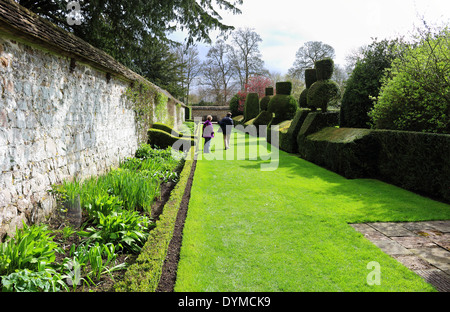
(357, 200)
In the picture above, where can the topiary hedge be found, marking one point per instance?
(415, 161)
(289, 143)
(251, 107)
(264, 103)
(162, 139)
(234, 105)
(324, 69)
(321, 93)
(310, 79)
(283, 107)
(284, 87)
(238, 120)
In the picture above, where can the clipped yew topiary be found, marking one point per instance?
(263, 119)
(322, 93)
(264, 103)
(284, 87)
(310, 78)
(324, 90)
(324, 69)
(162, 139)
(251, 108)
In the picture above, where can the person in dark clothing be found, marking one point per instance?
(226, 125)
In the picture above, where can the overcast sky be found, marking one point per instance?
(285, 25)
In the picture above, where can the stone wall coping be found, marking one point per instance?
(22, 24)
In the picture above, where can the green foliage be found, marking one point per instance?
(310, 77)
(284, 87)
(415, 94)
(264, 103)
(269, 91)
(238, 120)
(324, 68)
(145, 274)
(288, 142)
(303, 100)
(234, 105)
(29, 281)
(415, 161)
(323, 93)
(168, 129)
(31, 248)
(251, 107)
(127, 230)
(283, 106)
(365, 82)
(263, 118)
(162, 139)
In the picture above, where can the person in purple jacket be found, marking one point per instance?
(208, 133)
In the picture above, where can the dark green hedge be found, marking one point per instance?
(163, 140)
(351, 153)
(283, 106)
(251, 107)
(322, 93)
(269, 91)
(289, 141)
(284, 87)
(310, 77)
(168, 129)
(324, 68)
(416, 161)
(264, 103)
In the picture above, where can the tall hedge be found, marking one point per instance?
(251, 107)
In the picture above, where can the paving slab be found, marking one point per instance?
(392, 229)
(423, 247)
(439, 257)
(391, 247)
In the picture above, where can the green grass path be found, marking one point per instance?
(288, 229)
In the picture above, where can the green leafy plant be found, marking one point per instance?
(28, 281)
(28, 249)
(127, 230)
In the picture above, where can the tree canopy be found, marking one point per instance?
(130, 30)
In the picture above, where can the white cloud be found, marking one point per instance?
(285, 25)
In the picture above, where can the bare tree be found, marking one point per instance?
(218, 71)
(192, 66)
(246, 56)
(309, 53)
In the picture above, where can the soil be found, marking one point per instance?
(169, 270)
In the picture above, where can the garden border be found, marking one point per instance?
(145, 274)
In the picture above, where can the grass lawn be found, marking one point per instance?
(288, 229)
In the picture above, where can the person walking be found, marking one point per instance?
(208, 133)
(226, 125)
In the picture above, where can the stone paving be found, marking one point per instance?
(423, 247)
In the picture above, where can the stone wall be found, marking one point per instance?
(217, 112)
(62, 116)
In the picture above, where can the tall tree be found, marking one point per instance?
(246, 56)
(218, 71)
(192, 66)
(129, 30)
(307, 55)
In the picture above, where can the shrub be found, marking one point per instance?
(162, 139)
(415, 161)
(283, 107)
(284, 88)
(364, 83)
(264, 103)
(322, 93)
(303, 100)
(310, 77)
(349, 152)
(263, 118)
(238, 120)
(289, 143)
(415, 93)
(324, 69)
(234, 105)
(251, 108)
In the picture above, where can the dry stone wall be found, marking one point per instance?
(64, 114)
